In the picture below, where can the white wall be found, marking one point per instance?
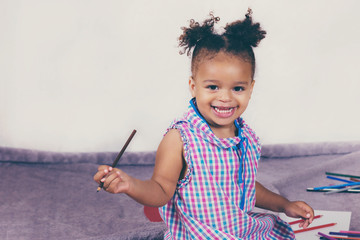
(81, 75)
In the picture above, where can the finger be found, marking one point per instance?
(101, 174)
(301, 224)
(306, 224)
(309, 212)
(110, 177)
(311, 219)
(103, 170)
(118, 185)
(102, 167)
(113, 185)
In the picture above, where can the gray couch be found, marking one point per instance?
(50, 195)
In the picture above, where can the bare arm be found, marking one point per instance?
(268, 200)
(271, 201)
(156, 191)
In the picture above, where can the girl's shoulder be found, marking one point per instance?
(177, 123)
(181, 123)
(182, 126)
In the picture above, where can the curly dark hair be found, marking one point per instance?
(238, 39)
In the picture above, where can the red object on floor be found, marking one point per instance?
(152, 213)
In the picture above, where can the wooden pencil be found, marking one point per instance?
(316, 227)
(118, 156)
(341, 190)
(302, 220)
(331, 189)
(342, 175)
(326, 236)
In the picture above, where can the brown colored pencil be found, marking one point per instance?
(118, 156)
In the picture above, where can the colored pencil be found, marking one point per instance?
(345, 234)
(341, 189)
(338, 186)
(326, 236)
(355, 180)
(339, 179)
(316, 227)
(331, 189)
(342, 175)
(118, 156)
(302, 220)
(337, 238)
(356, 232)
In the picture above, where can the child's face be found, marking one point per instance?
(222, 87)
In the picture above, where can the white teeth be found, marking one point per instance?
(223, 111)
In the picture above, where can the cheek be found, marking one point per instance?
(244, 101)
(200, 93)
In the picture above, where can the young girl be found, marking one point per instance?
(204, 179)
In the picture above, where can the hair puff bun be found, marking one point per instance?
(195, 32)
(247, 32)
(239, 39)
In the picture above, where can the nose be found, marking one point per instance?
(225, 96)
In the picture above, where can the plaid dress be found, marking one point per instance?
(215, 198)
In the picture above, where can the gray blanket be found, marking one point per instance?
(49, 195)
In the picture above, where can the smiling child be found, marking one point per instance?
(204, 179)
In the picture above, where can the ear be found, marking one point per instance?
(192, 86)
(252, 87)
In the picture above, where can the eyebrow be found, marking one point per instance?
(216, 81)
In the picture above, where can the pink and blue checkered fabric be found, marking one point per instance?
(215, 199)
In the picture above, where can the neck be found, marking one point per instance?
(224, 132)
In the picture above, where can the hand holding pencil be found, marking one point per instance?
(299, 209)
(111, 179)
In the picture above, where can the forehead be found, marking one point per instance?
(223, 65)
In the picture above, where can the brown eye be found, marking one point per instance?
(212, 87)
(238, 89)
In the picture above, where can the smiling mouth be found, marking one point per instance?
(224, 112)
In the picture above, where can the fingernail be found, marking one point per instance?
(110, 169)
(106, 171)
(308, 215)
(102, 180)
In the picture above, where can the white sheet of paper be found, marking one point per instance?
(342, 220)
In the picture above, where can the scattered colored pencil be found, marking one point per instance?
(118, 156)
(341, 238)
(339, 179)
(345, 234)
(339, 186)
(326, 236)
(341, 189)
(341, 175)
(316, 227)
(356, 232)
(331, 189)
(302, 220)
